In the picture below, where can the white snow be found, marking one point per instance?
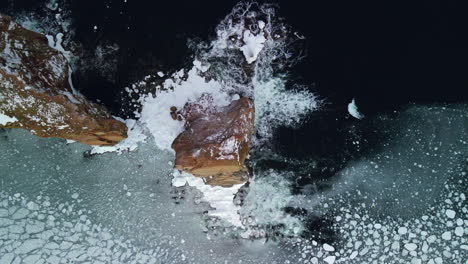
(4, 119)
(253, 45)
(56, 43)
(155, 114)
(202, 67)
(261, 24)
(353, 110)
(220, 198)
(135, 135)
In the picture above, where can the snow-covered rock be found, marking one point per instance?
(36, 93)
(215, 142)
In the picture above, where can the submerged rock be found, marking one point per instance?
(36, 94)
(215, 142)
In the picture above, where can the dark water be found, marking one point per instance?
(383, 54)
(390, 169)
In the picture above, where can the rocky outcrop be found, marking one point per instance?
(36, 94)
(215, 142)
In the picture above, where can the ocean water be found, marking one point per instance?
(326, 187)
(405, 201)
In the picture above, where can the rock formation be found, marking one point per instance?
(215, 142)
(36, 94)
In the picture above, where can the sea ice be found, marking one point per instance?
(353, 110)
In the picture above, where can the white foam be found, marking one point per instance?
(264, 205)
(276, 106)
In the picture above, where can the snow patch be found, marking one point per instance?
(155, 113)
(220, 198)
(135, 135)
(4, 119)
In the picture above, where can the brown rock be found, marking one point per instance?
(215, 142)
(34, 89)
(174, 115)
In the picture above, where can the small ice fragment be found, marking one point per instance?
(179, 181)
(447, 235)
(199, 66)
(160, 74)
(411, 246)
(330, 259)
(353, 110)
(450, 213)
(261, 24)
(75, 196)
(32, 206)
(402, 230)
(327, 247)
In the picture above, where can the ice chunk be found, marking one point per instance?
(29, 245)
(411, 246)
(330, 259)
(4, 119)
(328, 247)
(447, 235)
(402, 230)
(353, 110)
(450, 213)
(253, 45)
